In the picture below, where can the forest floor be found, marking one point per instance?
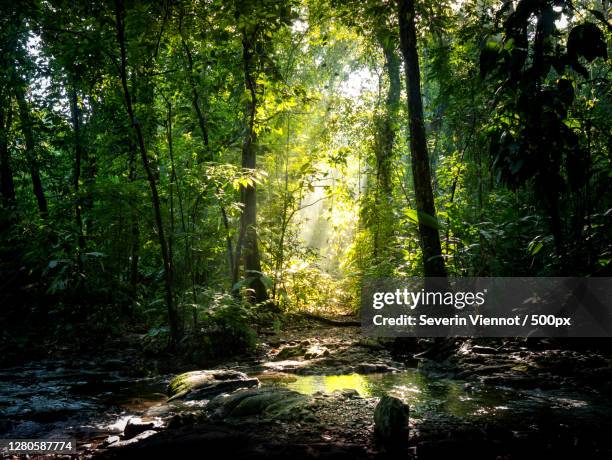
(318, 387)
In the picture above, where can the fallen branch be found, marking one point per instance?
(330, 321)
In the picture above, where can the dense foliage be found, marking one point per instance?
(191, 169)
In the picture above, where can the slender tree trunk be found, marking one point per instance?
(544, 28)
(135, 255)
(433, 263)
(7, 185)
(195, 94)
(387, 131)
(172, 314)
(203, 124)
(383, 231)
(247, 247)
(26, 127)
(135, 228)
(280, 261)
(88, 173)
(78, 155)
(174, 184)
(228, 241)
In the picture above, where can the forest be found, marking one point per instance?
(194, 193)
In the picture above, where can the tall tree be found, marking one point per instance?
(197, 102)
(15, 77)
(247, 248)
(195, 93)
(27, 128)
(385, 140)
(433, 263)
(146, 163)
(10, 34)
(534, 140)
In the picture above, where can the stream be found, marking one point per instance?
(53, 398)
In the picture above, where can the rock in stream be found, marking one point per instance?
(272, 403)
(208, 383)
(391, 421)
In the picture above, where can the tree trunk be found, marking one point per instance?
(135, 228)
(28, 134)
(195, 94)
(203, 124)
(172, 314)
(135, 255)
(247, 247)
(7, 185)
(540, 68)
(384, 150)
(433, 264)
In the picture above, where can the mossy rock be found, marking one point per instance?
(222, 405)
(271, 403)
(391, 418)
(293, 407)
(208, 383)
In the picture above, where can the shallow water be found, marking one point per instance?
(429, 396)
(79, 400)
(56, 398)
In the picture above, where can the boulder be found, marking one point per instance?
(208, 383)
(270, 403)
(350, 393)
(391, 421)
(135, 426)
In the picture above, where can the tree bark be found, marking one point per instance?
(384, 150)
(28, 134)
(247, 247)
(433, 263)
(172, 314)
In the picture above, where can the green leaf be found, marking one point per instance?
(536, 248)
(267, 281)
(423, 218)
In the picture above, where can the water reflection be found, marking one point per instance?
(311, 384)
(427, 395)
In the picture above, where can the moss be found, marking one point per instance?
(271, 403)
(180, 383)
(289, 408)
(256, 404)
(207, 383)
